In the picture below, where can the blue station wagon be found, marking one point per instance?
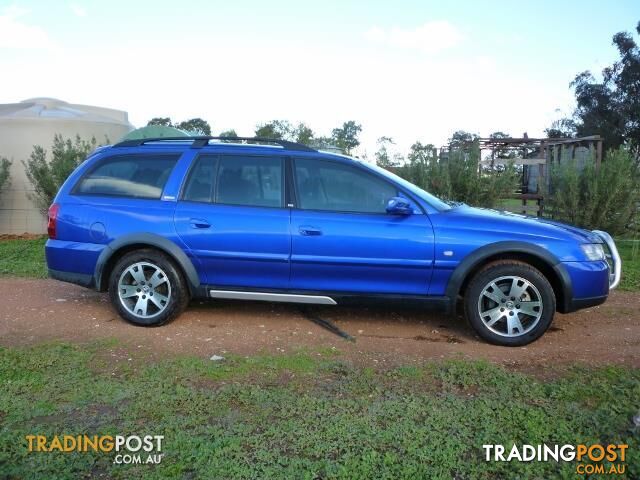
(156, 222)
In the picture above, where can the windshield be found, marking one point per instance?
(432, 200)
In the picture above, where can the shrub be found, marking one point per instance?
(47, 176)
(460, 177)
(4, 172)
(605, 198)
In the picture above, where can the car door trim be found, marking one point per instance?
(272, 297)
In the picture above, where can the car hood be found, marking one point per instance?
(495, 220)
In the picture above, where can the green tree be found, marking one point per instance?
(5, 164)
(462, 139)
(346, 137)
(420, 154)
(284, 130)
(501, 151)
(458, 176)
(611, 107)
(162, 121)
(561, 128)
(423, 166)
(303, 134)
(383, 158)
(195, 126)
(47, 176)
(228, 133)
(604, 197)
(499, 135)
(596, 112)
(477, 186)
(322, 143)
(275, 129)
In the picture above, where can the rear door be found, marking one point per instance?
(344, 240)
(231, 215)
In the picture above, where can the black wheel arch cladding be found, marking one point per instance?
(493, 251)
(146, 240)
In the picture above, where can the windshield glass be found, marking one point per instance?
(434, 201)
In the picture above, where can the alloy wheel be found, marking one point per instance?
(144, 290)
(510, 306)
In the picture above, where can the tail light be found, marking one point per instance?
(53, 220)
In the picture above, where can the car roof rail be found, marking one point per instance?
(203, 141)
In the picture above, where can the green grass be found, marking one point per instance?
(303, 415)
(630, 254)
(510, 203)
(22, 258)
(25, 258)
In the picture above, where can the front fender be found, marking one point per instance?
(494, 251)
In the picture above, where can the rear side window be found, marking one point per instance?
(331, 186)
(200, 185)
(137, 176)
(251, 181)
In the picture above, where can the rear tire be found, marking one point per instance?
(147, 289)
(510, 303)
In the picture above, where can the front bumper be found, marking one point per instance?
(591, 282)
(613, 259)
(580, 303)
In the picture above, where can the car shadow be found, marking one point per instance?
(385, 321)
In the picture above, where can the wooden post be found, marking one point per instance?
(540, 206)
(542, 177)
(598, 152)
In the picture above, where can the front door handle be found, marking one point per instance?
(199, 223)
(309, 230)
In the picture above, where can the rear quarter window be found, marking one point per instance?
(136, 176)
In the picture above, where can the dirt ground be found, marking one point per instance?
(32, 311)
(20, 236)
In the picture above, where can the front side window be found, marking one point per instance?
(250, 181)
(137, 176)
(325, 185)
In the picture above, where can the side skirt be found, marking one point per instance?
(272, 297)
(432, 303)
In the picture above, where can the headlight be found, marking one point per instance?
(593, 251)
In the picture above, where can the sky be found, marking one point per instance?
(409, 70)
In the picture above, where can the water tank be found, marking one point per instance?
(35, 122)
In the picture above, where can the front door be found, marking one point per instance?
(231, 215)
(343, 239)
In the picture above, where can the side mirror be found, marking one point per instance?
(399, 206)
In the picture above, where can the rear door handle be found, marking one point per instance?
(309, 230)
(199, 223)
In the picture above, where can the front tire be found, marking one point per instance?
(147, 289)
(510, 303)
